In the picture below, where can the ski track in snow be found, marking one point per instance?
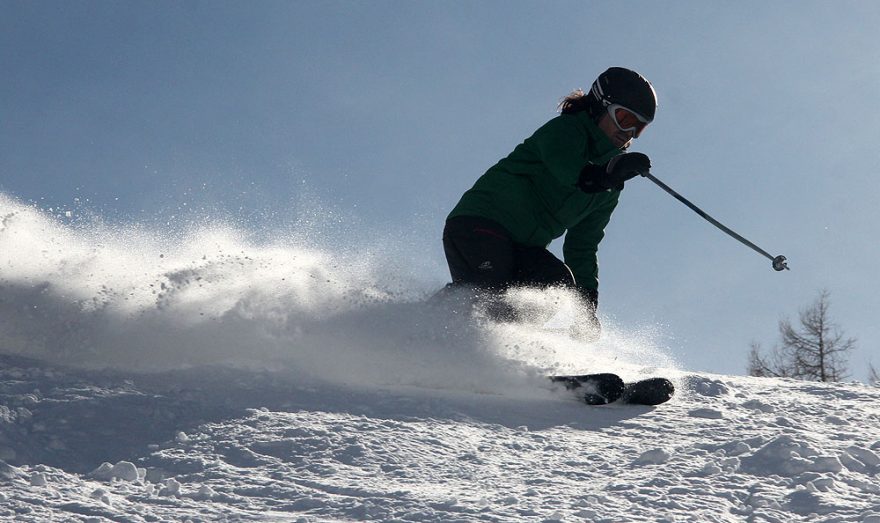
(210, 379)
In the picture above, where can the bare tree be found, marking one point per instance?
(773, 365)
(814, 351)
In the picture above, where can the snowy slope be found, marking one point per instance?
(208, 378)
(245, 445)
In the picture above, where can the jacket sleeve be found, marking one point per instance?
(561, 145)
(582, 243)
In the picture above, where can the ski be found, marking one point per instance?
(593, 389)
(605, 388)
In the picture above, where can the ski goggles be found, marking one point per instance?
(627, 120)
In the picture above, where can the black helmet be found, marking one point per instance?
(625, 87)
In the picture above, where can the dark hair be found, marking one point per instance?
(576, 101)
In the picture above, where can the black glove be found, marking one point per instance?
(610, 177)
(590, 297)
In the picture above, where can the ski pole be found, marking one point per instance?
(779, 263)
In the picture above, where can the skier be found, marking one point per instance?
(564, 179)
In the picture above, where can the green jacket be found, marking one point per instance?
(533, 192)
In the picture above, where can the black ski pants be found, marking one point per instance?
(481, 253)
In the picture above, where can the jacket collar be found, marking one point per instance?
(599, 146)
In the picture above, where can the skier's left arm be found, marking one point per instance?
(582, 245)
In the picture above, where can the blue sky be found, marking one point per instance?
(388, 111)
